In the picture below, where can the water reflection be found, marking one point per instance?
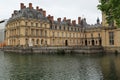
(111, 67)
(49, 67)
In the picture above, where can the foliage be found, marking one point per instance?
(112, 10)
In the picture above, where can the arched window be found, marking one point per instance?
(33, 41)
(37, 41)
(42, 41)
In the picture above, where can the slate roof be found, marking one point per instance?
(28, 13)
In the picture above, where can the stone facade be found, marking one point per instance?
(31, 27)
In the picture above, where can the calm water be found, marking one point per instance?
(53, 67)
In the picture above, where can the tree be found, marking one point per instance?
(112, 10)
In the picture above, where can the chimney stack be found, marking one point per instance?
(30, 6)
(74, 22)
(64, 19)
(59, 20)
(69, 21)
(15, 12)
(79, 20)
(24, 6)
(44, 13)
(48, 17)
(37, 8)
(21, 5)
(40, 9)
(51, 18)
(12, 15)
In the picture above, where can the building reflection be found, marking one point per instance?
(53, 67)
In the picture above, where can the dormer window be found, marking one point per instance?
(55, 26)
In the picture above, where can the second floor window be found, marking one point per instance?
(36, 24)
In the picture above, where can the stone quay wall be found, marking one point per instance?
(53, 50)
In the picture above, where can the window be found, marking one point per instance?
(96, 42)
(75, 29)
(50, 26)
(70, 34)
(26, 32)
(60, 27)
(55, 27)
(41, 25)
(37, 31)
(45, 26)
(37, 41)
(111, 38)
(32, 24)
(32, 32)
(58, 34)
(53, 34)
(71, 29)
(68, 28)
(64, 28)
(73, 35)
(77, 35)
(85, 36)
(45, 33)
(36, 24)
(98, 34)
(62, 34)
(40, 32)
(91, 35)
(26, 23)
(66, 35)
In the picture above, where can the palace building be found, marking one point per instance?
(32, 27)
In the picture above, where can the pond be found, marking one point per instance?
(59, 67)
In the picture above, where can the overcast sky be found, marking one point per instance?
(59, 8)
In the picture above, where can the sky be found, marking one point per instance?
(71, 9)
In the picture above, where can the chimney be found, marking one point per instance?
(59, 20)
(24, 6)
(30, 6)
(79, 20)
(44, 13)
(64, 19)
(15, 12)
(52, 18)
(74, 22)
(48, 17)
(40, 9)
(37, 8)
(69, 21)
(12, 15)
(21, 5)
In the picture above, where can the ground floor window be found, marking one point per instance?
(111, 38)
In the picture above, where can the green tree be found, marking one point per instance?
(112, 10)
